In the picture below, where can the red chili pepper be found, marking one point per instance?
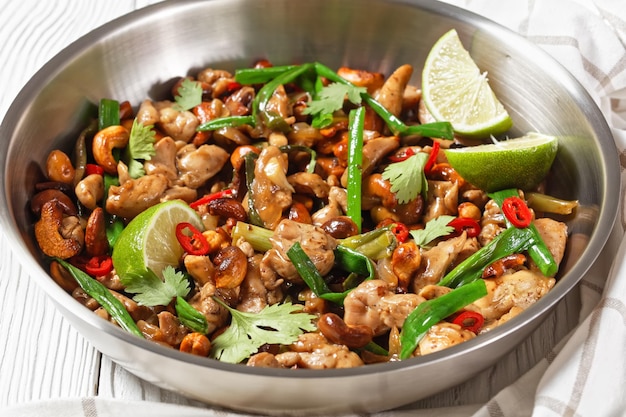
(401, 231)
(233, 86)
(194, 243)
(469, 320)
(466, 224)
(517, 212)
(210, 197)
(402, 156)
(94, 169)
(99, 266)
(432, 158)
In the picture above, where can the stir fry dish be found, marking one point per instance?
(294, 216)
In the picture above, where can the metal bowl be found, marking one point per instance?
(140, 53)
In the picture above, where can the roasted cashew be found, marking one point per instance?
(96, 242)
(391, 93)
(44, 196)
(103, 143)
(52, 240)
(378, 190)
(90, 190)
(337, 331)
(59, 167)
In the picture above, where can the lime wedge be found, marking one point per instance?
(149, 240)
(515, 163)
(455, 90)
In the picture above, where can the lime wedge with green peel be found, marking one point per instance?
(514, 163)
(149, 240)
(455, 90)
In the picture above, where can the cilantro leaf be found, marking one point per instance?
(331, 98)
(189, 95)
(435, 228)
(140, 147)
(151, 291)
(275, 324)
(407, 177)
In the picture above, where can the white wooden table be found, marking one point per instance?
(41, 356)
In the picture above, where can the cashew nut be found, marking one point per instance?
(103, 144)
(59, 167)
(58, 236)
(90, 190)
(96, 242)
(231, 267)
(405, 261)
(59, 196)
(337, 331)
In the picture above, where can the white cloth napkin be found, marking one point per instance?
(585, 375)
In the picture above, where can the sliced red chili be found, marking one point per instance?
(465, 224)
(432, 158)
(469, 320)
(99, 266)
(210, 197)
(402, 155)
(233, 86)
(517, 212)
(94, 169)
(191, 239)
(401, 231)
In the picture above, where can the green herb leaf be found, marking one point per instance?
(140, 147)
(151, 291)
(275, 324)
(189, 95)
(332, 97)
(435, 228)
(407, 177)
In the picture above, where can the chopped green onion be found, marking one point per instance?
(229, 121)
(191, 317)
(103, 296)
(538, 251)
(435, 310)
(356, 119)
(108, 113)
(260, 75)
(256, 236)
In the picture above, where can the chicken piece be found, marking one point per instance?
(172, 329)
(554, 234)
(374, 150)
(271, 191)
(492, 223)
(254, 295)
(520, 289)
(180, 125)
(391, 94)
(279, 104)
(488, 326)
(147, 114)
(317, 244)
(215, 82)
(177, 192)
(196, 165)
(442, 199)
(313, 351)
(441, 336)
(337, 206)
(200, 268)
(164, 160)
(214, 312)
(135, 195)
(436, 261)
(374, 304)
(309, 183)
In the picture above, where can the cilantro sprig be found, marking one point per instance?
(151, 291)
(407, 177)
(275, 324)
(435, 228)
(140, 148)
(331, 98)
(189, 95)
